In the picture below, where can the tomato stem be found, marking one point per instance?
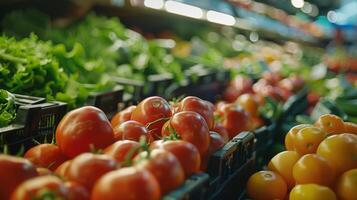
(148, 125)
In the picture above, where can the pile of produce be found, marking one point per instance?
(319, 163)
(7, 108)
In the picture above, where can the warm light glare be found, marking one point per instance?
(155, 4)
(183, 9)
(220, 18)
(297, 3)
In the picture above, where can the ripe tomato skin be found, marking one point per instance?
(185, 152)
(350, 127)
(332, 124)
(127, 183)
(312, 168)
(77, 191)
(46, 155)
(62, 170)
(308, 139)
(87, 168)
(234, 119)
(150, 110)
(346, 185)
(216, 142)
(283, 163)
(13, 171)
(191, 127)
(122, 116)
(35, 188)
(164, 166)
(340, 150)
(41, 171)
(82, 128)
(120, 149)
(131, 130)
(290, 136)
(218, 128)
(311, 192)
(199, 106)
(266, 185)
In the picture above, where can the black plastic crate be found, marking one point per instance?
(325, 106)
(157, 85)
(296, 104)
(22, 100)
(107, 101)
(194, 188)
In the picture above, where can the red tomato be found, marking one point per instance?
(76, 191)
(82, 129)
(87, 168)
(127, 184)
(185, 152)
(192, 128)
(120, 149)
(122, 116)
(272, 77)
(62, 170)
(216, 142)
(40, 188)
(13, 171)
(218, 128)
(46, 155)
(199, 106)
(41, 171)
(152, 109)
(233, 119)
(164, 166)
(131, 130)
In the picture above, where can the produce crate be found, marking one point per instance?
(264, 140)
(325, 106)
(229, 163)
(194, 188)
(107, 101)
(296, 104)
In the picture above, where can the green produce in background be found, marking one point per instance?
(7, 108)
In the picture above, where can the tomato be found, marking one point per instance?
(46, 155)
(283, 164)
(233, 119)
(127, 184)
(248, 103)
(13, 171)
(346, 185)
(120, 149)
(255, 122)
(42, 187)
(164, 166)
(311, 192)
(340, 150)
(150, 110)
(131, 130)
(41, 171)
(272, 77)
(82, 129)
(237, 86)
(199, 106)
(87, 168)
(290, 136)
(266, 185)
(62, 170)
(312, 168)
(185, 152)
(350, 127)
(332, 124)
(77, 191)
(218, 128)
(191, 127)
(122, 116)
(216, 142)
(308, 139)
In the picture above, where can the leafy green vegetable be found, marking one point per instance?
(7, 108)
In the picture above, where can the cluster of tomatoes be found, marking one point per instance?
(144, 152)
(320, 164)
(271, 84)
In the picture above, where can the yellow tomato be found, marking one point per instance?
(283, 164)
(308, 139)
(312, 168)
(248, 103)
(311, 192)
(289, 138)
(340, 150)
(266, 185)
(332, 124)
(350, 127)
(346, 187)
